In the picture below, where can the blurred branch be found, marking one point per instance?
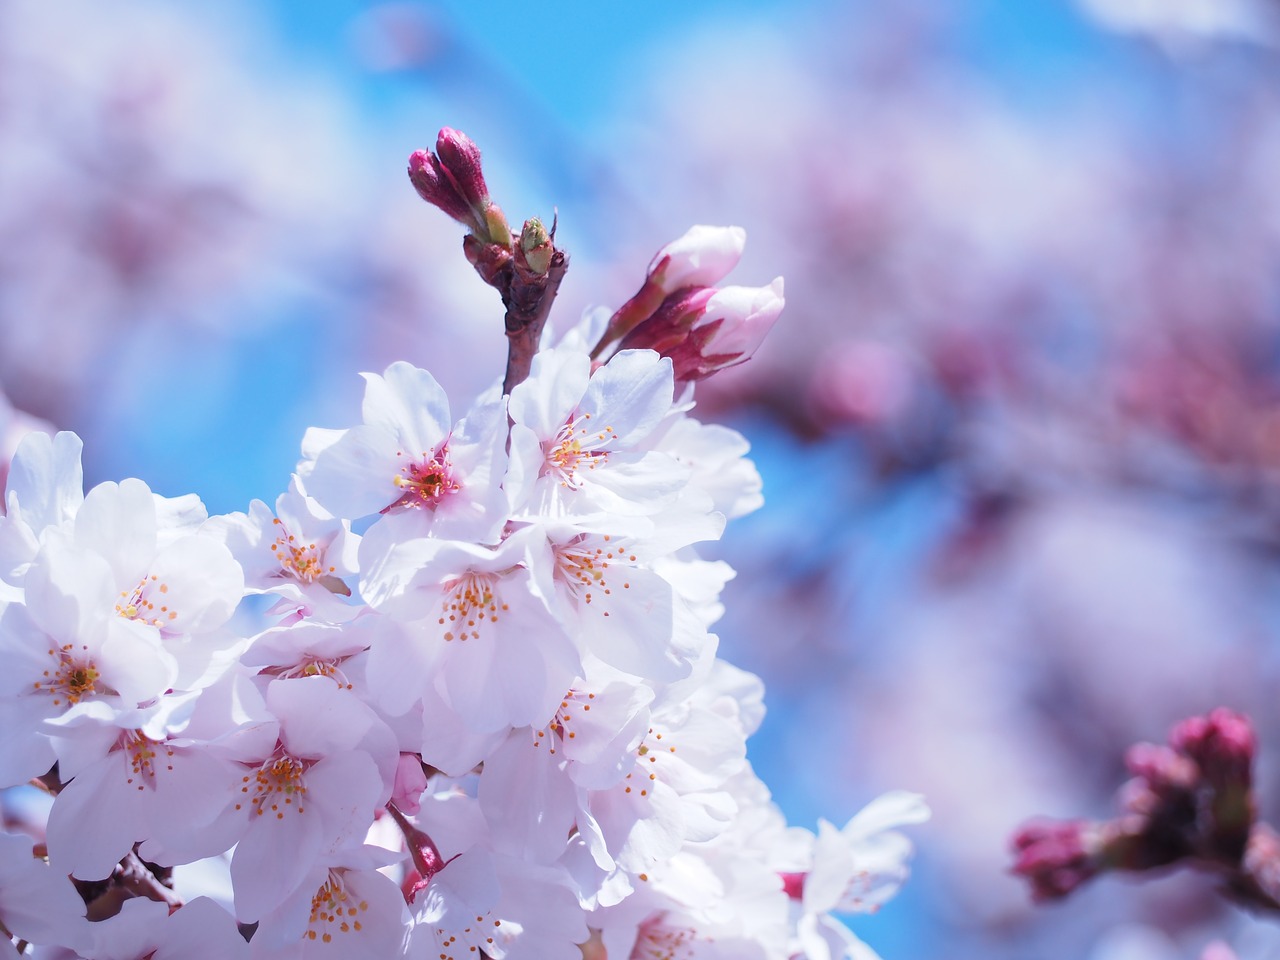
(1189, 803)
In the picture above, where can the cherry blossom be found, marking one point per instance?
(299, 552)
(472, 611)
(313, 794)
(36, 902)
(576, 443)
(494, 724)
(147, 929)
(408, 457)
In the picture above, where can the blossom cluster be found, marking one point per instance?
(455, 694)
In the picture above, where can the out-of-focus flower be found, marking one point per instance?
(14, 425)
(1177, 23)
(1054, 857)
(1049, 477)
(1191, 803)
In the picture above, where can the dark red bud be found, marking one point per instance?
(434, 187)
(1053, 856)
(460, 158)
(1162, 768)
(1222, 744)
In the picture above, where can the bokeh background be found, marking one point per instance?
(1019, 426)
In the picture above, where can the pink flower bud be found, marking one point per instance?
(452, 179)
(434, 187)
(698, 260)
(1223, 744)
(1053, 856)
(703, 330)
(701, 258)
(411, 780)
(423, 853)
(460, 158)
(1161, 768)
(739, 318)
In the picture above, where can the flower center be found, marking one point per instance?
(320, 668)
(581, 566)
(561, 724)
(657, 941)
(641, 779)
(276, 787)
(467, 943)
(303, 562)
(426, 482)
(469, 601)
(573, 446)
(71, 678)
(142, 752)
(140, 603)
(334, 911)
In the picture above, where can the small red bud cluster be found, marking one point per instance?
(1190, 802)
(680, 313)
(526, 270)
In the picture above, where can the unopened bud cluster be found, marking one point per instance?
(682, 315)
(1190, 802)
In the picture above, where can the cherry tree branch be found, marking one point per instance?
(527, 313)
(1190, 803)
(526, 270)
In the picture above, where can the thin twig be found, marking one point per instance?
(134, 875)
(528, 306)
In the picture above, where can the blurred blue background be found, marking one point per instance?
(1019, 426)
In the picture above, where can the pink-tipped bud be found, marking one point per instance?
(411, 780)
(460, 158)
(452, 179)
(737, 319)
(437, 189)
(703, 330)
(1161, 768)
(1053, 856)
(1222, 744)
(423, 853)
(701, 258)
(684, 267)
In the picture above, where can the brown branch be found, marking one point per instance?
(131, 878)
(136, 877)
(1190, 803)
(528, 305)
